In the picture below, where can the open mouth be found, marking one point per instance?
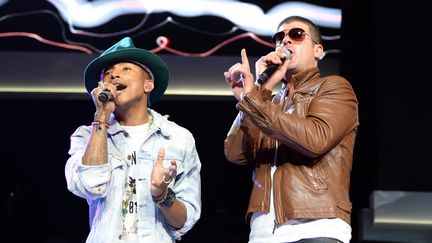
(120, 86)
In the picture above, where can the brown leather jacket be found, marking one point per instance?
(309, 136)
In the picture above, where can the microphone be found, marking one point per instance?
(104, 96)
(264, 76)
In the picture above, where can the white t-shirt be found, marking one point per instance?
(129, 201)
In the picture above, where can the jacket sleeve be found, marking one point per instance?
(90, 182)
(188, 186)
(331, 114)
(242, 142)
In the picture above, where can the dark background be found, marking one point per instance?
(384, 53)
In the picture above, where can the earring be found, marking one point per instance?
(148, 87)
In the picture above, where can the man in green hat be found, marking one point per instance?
(138, 171)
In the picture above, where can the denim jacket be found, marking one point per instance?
(102, 186)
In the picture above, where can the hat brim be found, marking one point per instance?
(157, 66)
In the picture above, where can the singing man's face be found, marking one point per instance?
(129, 80)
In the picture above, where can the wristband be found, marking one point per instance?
(169, 199)
(161, 197)
(97, 123)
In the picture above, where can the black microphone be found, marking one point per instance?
(104, 96)
(264, 76)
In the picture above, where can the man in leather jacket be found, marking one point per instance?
(300, 140)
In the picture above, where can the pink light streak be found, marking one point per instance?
(45, 41)
(163, 43)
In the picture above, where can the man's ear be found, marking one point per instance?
(148, 85)
(319, 50)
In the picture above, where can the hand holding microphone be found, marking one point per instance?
(105, 95)
(103, 98)
(268, 72)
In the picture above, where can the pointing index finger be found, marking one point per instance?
(244, 58)
(161, 155)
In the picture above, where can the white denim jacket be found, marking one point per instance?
(103, 186)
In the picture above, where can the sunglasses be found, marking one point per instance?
(297, 35)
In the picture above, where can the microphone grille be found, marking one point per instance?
(103, 97)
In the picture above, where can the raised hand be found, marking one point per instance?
(239, 77)
(161, 177)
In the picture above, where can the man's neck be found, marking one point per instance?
(132, 117)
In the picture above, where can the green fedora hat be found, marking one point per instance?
(124, 50)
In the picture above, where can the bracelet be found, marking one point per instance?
(97, 123)
(161, 197)
(168, 200)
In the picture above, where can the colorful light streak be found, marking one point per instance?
(248, 22)
(247, 16)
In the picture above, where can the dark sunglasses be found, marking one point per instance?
(296, 35)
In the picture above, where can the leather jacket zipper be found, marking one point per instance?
(276, 225)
